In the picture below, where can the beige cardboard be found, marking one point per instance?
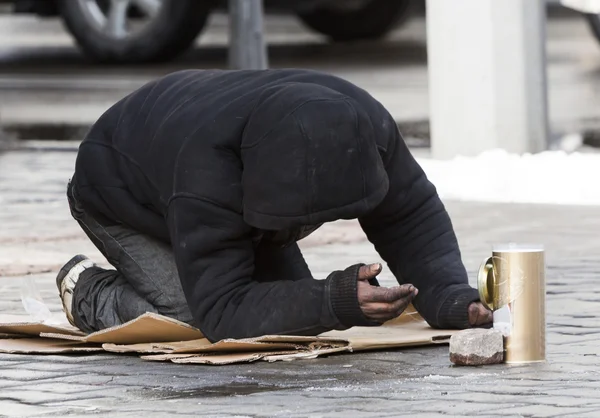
(392, 335)
(147, 328)
(307, 355)
(231, 358)
(266, 343)
(165, 339)
(22, 325)
(4, 335)
(217, 359)
(220, 359)
(166, 357)
(406, 331)
(200, 346)
(44, 346)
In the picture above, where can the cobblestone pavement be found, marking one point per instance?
(37, 235)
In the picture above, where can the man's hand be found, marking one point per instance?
(479, 314)
(382, 303)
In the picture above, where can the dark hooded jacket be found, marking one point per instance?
(220, 163)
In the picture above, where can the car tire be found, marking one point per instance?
(167, 35)
(594, 22)
(374, 20)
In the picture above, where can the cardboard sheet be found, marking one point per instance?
(22, 325)
(393, 334)
(269, 347)
(241, 357)
(147, 328)
(45, 346)
(5, 335)
(159, 338)
(266, 343)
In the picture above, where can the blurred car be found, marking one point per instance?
(594, 21)
(591, 10)
(134, 31)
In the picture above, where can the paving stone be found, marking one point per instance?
(592, 413)
(12, 408)
(477, 347)
(34, 396)
(24, 375)
(414, 382)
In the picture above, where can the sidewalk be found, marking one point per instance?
(37, 235)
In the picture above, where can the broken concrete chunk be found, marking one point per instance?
(476, 347)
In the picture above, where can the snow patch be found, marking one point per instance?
(551, 177)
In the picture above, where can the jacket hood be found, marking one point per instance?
(309, 156)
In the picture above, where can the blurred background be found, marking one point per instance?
(475, 85)
(62, 63)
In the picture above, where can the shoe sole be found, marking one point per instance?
(67, 268)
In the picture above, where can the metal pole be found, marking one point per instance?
(487, 76)
(247, 49)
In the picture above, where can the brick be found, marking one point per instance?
(476, 347)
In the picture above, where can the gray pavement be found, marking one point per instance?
(37, 236)
(45, 81)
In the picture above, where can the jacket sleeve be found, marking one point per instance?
(413, 233)
(216, 264)
(272, 263)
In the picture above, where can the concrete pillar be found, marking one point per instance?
(487, 76)
(247, 49)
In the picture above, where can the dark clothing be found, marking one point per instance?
(214, 162)
(146, 279)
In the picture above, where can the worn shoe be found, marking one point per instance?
(67, 279)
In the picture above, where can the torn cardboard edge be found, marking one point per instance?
(392, 335)
(159, 338)
(5, 335)
(22, 325)
(265, 343)
(45, 346)
(232, 358)
(147, 328)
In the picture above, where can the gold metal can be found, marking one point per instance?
(512, 283)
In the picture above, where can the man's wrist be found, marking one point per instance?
(343, 294)
(454, 311)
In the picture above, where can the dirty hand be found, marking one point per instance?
(382, 303)
(479, 314)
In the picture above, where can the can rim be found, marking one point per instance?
(518, 247)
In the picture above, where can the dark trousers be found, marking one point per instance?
(145, 277)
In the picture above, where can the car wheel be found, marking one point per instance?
(134, 31)
(594, 22)
(351, 20)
